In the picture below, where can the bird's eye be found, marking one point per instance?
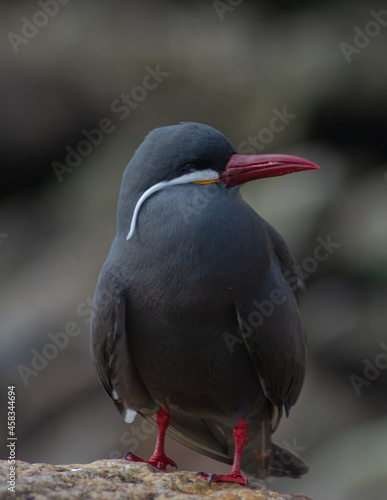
(189, 167)
(194, 166)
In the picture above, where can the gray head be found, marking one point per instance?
(170, 152)
(191, 153)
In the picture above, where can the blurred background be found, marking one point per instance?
(75, 104)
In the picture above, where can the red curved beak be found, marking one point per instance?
(245, 168)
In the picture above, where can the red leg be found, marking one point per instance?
(159, 458)
(240, 435)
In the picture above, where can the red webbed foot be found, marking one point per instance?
(235, 476)
(225, 478)
(157, 460)
(131, 457)
(161, 462)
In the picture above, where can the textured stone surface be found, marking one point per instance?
(117, 479)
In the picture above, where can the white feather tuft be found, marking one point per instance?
(196, 176)
(129, 416)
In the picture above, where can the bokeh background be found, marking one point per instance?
(232, 65)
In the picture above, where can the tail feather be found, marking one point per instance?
(261, 458)
(258, 449)
(284, 463)
(199, 434)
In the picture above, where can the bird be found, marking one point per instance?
(195, 323)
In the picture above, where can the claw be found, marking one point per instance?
(226, 478)
(211, 478)
(159, 458)
(132, 457)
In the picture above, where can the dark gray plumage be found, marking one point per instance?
(177, 316)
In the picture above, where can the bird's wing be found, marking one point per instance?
(109, 346)
(290, 268)
(270, 323)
